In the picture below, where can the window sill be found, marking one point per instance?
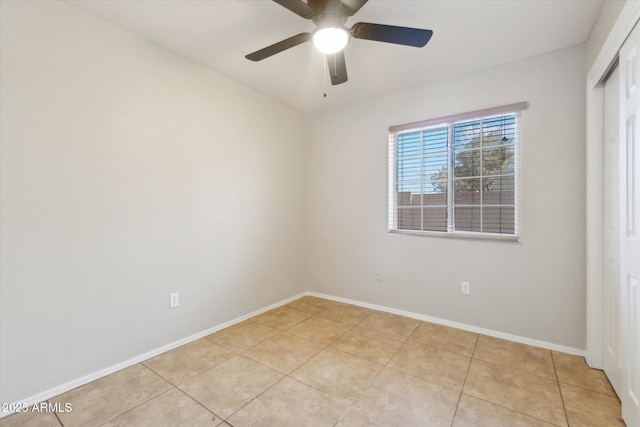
(459, 235)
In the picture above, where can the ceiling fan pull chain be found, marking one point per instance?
(325, 64)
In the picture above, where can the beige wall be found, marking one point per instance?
(128, 173)
(534, 288)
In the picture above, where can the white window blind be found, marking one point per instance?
(457, 175)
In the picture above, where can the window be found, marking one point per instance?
(457, 175)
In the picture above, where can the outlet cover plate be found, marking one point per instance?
(174, 300)
(465, 288)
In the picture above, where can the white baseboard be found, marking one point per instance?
(55, 391)
(464, 327)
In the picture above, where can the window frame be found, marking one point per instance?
(449, 122)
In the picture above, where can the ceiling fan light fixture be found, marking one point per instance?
(330, 39)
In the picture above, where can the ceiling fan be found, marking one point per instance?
(331, 35)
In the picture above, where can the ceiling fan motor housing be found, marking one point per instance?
(332, 14)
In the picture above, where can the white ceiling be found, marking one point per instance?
(468, 36)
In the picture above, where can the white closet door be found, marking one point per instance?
(629, 185)
(611, 307)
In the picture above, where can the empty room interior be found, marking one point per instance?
(211, 215)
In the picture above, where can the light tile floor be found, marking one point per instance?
(315, 362)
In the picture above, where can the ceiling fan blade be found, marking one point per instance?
(391, 34)
(298, 7)
(279, 47)
(352, 6)
(337, 68)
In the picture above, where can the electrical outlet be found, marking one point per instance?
(174, 300)
(378, 277)
(465, 288)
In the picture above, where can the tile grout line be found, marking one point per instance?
(511, 409)
(142, 403)
(555, 371)
(216, 416)
(56, 414)
(200, 403)
(255, 397)
(522, 371)
(589, 389)
(465, 380)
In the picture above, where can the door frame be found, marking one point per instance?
(606, 59)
